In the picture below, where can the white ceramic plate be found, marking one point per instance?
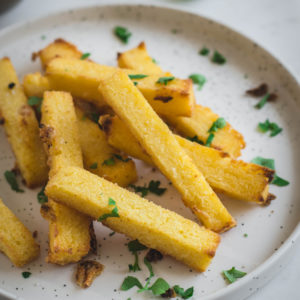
(272, 230)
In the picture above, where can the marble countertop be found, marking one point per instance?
(274, 24)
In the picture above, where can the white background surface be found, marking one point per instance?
(274, 24)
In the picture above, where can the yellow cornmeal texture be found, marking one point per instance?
(81, 78)
(163, 148)
(139, 60)
(21, 127)
(35, 84)
(96, 150)
(69, 237)
(236, 178)
(69, 233)
(59, 48)
(16, 240)
(152, 225)
(226, 139)
(61, 131)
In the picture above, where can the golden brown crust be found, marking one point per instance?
(86, 272)
(105, 121)
(93, 242)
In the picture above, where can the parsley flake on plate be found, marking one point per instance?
(41, 197)
(263, 101)
(233, 274)
(185, 294)
(165, 80)
(26, 274)
(85, 56)
(270, 163)
(198, 79)
(12, 181)
(204, 51)
(153, 187)
(218, 58)
(269, 126)
(122, 33)
(135, 246)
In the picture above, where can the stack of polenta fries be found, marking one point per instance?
(60, 144)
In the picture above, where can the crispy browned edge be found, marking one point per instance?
(86, 272)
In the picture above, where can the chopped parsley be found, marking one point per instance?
(154, 61)
(233, 274)
(137, 76)
(43, 37)
(135, 83)
(218, 58)
(134, 247)
(109, 162)
(26, 274)
(262, 102)
(185, 294)
(41, 197)
(270, 163)
(218, 124)
(159, 287)
(122, 33)
(198, 79)
(11, 85)
(267, 125)
(245, 234)
(12, 181)
(165, 80)
(153, 187)
(112, 233)
(35, 101)
(119, 157)
(85, 56)
(204, 51)
(195, 139)
(129, 282)
(94, 165)
(209, 140)
(149, 266)
(113, 214)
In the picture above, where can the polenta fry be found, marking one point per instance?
(139, 218)
(163, 148)
(21, 127)
(16, 240)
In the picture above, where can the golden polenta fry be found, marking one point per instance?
(226, 139)
(35, 84)
(152, 225)
(70, 238)
(16, 240)
(236, 178)
(21, 127)
(81, 78)
(100, 158)
(58, 48)
(139, 60)
(69, 233)
(163, 148)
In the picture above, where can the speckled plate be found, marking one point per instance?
(174, 38)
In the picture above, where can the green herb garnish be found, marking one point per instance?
(153, 187)
(204, 51)
(267, 125)
(122, 33)
(198, 79)
(112, 233)
(35, 101)
(218, 124)
(109, 162)
(119, 157)
(129, 282)
(41, 197)
(159, 287)
(165, 80)
(263, 101)
(218, 58)
(185, 294)
(94, 165)
(154, 61)
(245, 234)
(85, 56)
(137, 76)
(134, 247)
(26, 274)
(209, 140)
(113, 214)
(233, 274)
(270, 163)
(149, 266)
(135, 83)
(43, 37)
(12, 181)
(195, 139)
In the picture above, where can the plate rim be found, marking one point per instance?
(294, 237)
